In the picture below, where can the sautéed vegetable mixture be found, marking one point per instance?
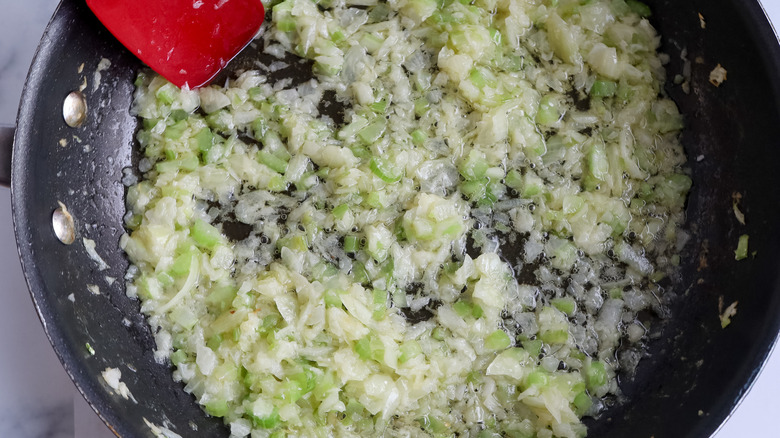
(451, 227)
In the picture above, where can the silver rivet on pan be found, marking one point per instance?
(74, 109)
(62, 222)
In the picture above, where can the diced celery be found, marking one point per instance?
(204, 139)
(167, 94)
(179, 114)
(514, 179)
(373, 131)
(434, 425)
(174, 132)
(371, 42)
(462, 308)
(419, 137)
(178, 357)
(221, 296)
(533, 347)
(639, 8)
(380, 106)
(498, 340)
(475, 190)
(332, 298)
(350, 243)
(272, 161)
(363, 348)
(277, 184)
(439, 333)
(602, 88)
(357, 124)
(267, 422)
(214, 342)
(181, 264)
(582, 402)
(595, 374)
(536, 378)
(474, 167)
(340, 211)
(216, 408)
(566, 305)
(204, 234)
(189, 163)
(421, 106)
(553, 326)
(380, 304)
(742, 248)
(548, 112)
(409, 350)
(597, 164)
(359, 273)
(384, 169)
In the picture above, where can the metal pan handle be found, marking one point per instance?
(6, 145)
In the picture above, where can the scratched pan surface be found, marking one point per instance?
(695, 372)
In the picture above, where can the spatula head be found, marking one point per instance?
(186, 41)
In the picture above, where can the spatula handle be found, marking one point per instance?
(6, 145)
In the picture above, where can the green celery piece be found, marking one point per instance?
(332, 298)
(498, 340)
(204, 234)
(179, 114)
(639, 8)
(419, 137)
(462, 308)
(269, 422)
(371, 42)
(181, 264)
(566, 305)
(475, 167)
(363, 348)
(178, 357)
(221, 296)
(475, 190)
(380, 304)
(582, 402)
(340, 211)
(514, 180)
(214, 342)
(742, 248)
(536, 378)
(217, 408)
(373, 131)
(533, 347)
(595, 375)
(434, 425)
(380, 106)
(166, 94)
(384, 169)
(548, 112)
(555, 336)
(409, 350)
(189, 163)
(204, 139)
(421, 106)
(272, 161)
(603, 89)
(476, 78)
(351, 243)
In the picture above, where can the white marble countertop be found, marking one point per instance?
(37, 400)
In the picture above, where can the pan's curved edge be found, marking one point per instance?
(84, 168)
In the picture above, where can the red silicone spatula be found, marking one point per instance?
(186, 41)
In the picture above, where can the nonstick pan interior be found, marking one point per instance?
(695, 371)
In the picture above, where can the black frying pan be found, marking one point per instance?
(695, 372)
